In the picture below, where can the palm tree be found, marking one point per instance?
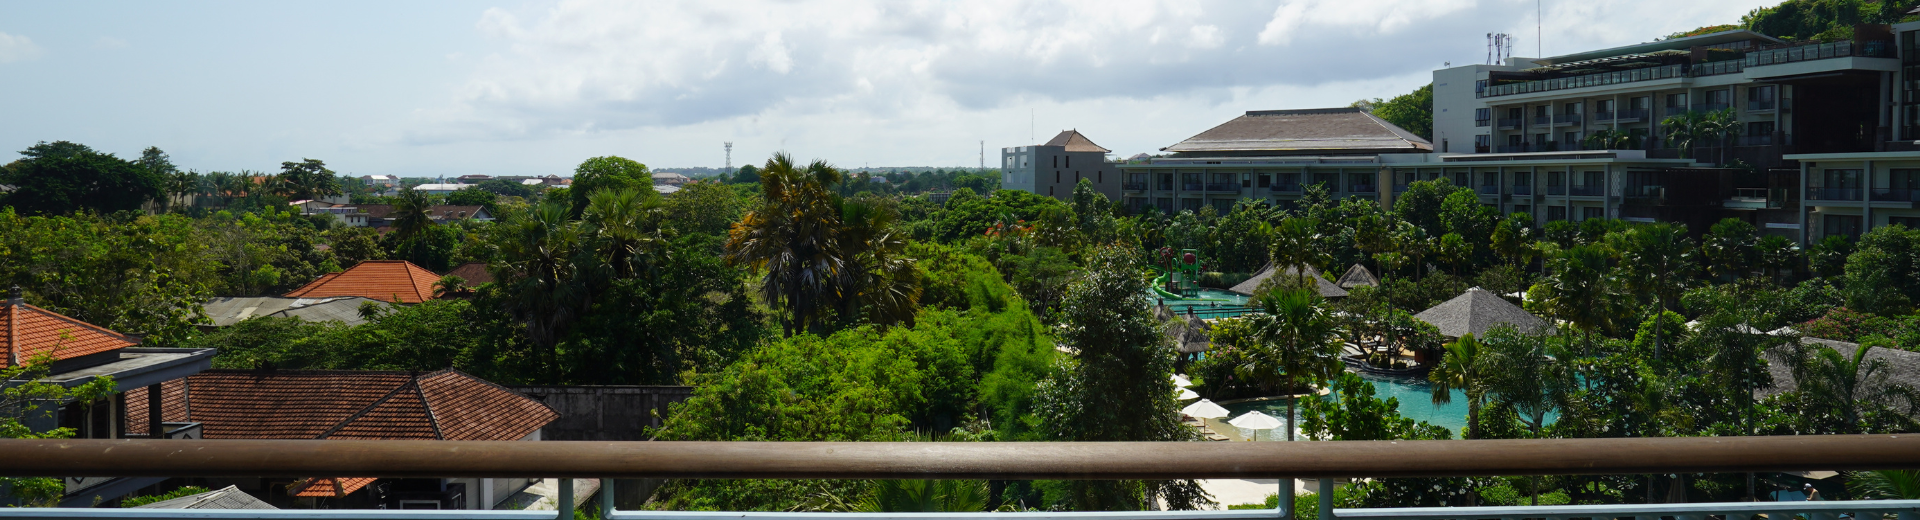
(412, 213)
(625, 227)
(1844, 389)
(879, 277)
(1609, 140)
(1297, 342)
(792, 239)
(926, 496)
(1684, 131)
(1465, 367)
(1720, 127)
(1296, 244)
(538, 276)
(1886, 484)
(1658, 259)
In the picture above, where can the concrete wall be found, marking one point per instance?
(604, 413)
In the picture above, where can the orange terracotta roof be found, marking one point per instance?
(330, 487)
(475, 273)
(383, 280)
(27, 332)
(334, 404)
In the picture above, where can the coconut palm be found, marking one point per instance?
(1844, 391)
(1685, 131)
(1466, 367)
(537, 278)
(1297, 343)
(1720, 127)
(1658, 259)
(879, 278)
(412, 213)
(1296, 243)
(1609, 140)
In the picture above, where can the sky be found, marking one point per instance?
(428, 88)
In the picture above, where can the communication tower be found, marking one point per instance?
(729, 156)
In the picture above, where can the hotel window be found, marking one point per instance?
(1266, 180)
(1676, 100)
(1603, 106)
(1490, 179)
(1056, 161)
(1717, 97)
(1556, 212)
(1522, 208)
(1909, 222)
(1571, 140)
(1570, 109)
(1639, 103)
(1763, 93)
(1592, 213)
(1069, 161)
(1843, 225)
(1481, 143)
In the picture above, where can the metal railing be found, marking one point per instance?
(1325, 461)
(1400, 188)
(1488, 190)
(1760, 105)
(1589, 191)
(1820, 51)
(1288, 188)
(1716, 68)
(1586, 80)
(1895, 195)
(1362, 188)
(1631, 115)
(1523, 190)
(1823, 193)
(1134, 186)
(1510, 124)
(1192, 186)
(1674, 111)
(1566, 119)
(1223, 186)
(1556, 189)
(1542, 120)
(1709, 107)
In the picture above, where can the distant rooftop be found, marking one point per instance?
(27, 331)
(1074, 141)
(383, 280)
(1292, 132)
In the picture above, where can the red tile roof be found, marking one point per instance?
(329, 487)
(336, 404)
(27, 332)
(384, 280)
(475, 273)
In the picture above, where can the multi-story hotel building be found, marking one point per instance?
(1054, 168)
(1825, 138)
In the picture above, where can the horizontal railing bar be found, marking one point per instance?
(1625, 510)
(73, 513)
(951, 460)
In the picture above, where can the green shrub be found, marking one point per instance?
(136, 501)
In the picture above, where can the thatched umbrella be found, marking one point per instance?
(1476, 311)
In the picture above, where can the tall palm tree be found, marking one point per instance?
(1296, 244)
(412, 213)
(879, 279)
(792, 239)
(1845, 388)
(1298, 343)
(538, 275)
(1685, 131)
(1658, 259)
(625, 227)
(1465, 366)
(1609, 140)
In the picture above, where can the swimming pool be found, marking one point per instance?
(1209, 299)
(1416, 402)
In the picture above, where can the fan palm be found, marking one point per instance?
(538, 276)
(878, 278)
(792, 239)
(1609, 140)
(1297, 343)
(625, 226)
(926, 496)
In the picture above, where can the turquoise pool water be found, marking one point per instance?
(1208, 299)
(1416, 402)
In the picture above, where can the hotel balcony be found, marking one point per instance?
(1753, 198)
(1635, 115)
(1523, 190)
(1362, 188)
(1511, 124)
(1710, 107)
(1488, 190)
(1325, 463)
(1400, 188)
(1588, 191)
(1566, 119)
(1543, 121)
(1223, 187)
(1836, 194)
(1556, 190)
(1193, 186)
(1896, 195)
(1134, 186)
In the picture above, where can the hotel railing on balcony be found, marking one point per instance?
(1709, 107)
(1716, 68)
(1193, 186)
(1589, 191)
(1362, 188)
(1223, 186)
(1286, 188)
(1556, 190)
(1509, 124)
(1760, 105)
(1324, 461)
(1843, 194)
(1896, 195)
(1872, 49)
(1523, 190)
(1542, 120)
(1400, 188)
(1586, 80)
(1488, 190)
(1566, 119)
(1134, 186)
(1673, 111)
(1631, 115)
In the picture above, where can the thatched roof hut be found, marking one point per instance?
(1327, 289)
(1357, 276)
(1476, 311)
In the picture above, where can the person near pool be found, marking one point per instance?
(1812, 494)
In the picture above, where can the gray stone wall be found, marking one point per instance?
(604, 413)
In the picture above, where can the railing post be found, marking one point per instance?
(565, 501)
(1326, 498)
(606, 497)
(1286, 499)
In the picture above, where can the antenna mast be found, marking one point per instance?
(1540, 37)
(983, 155)
(729, 156)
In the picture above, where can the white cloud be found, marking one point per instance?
(847, 76)
(17, 48)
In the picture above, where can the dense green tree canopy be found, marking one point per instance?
(62, 177)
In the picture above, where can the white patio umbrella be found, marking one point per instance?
(1181, 381)
(1187, 393)
(1255, 421)
(1205, 409)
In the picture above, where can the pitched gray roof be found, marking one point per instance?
(229, 497)
(1477, 310)
(227, 311)
(1327, 289)
(1356, 276)
(1074, 141)
(1903, 367)
(1322, 130)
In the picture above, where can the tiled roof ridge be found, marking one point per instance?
(433, 419)
(76, 321)
(1402, 133)
(414, 382)
(11, 340)
(303, 371)
(1304, 111)
(456, 371)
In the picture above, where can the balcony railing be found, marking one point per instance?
(1896, 195)
(1324, 461)
(1716, 68)
(1488, 190)
(1523, 190)
(1760, 105)
(1134, 186)
(1763, 140)
(1510, 124)
(1588, 191)
(1223, 186)
(1527, 148)
(1166, 186)
(1286, 188)
(1566, 119)
(1822, 193)
(1362, 188)
(1673, 111)
(1556, 190)
(1631, 115)
(1818, 52)
(1586, 80)
(1709, 107)
(1193, 186)
(1400, 188)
